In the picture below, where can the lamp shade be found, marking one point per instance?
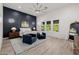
(13, 28)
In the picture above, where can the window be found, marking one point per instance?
(56, 25)
(48, 26)
(43, 26)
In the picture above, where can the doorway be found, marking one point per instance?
(74, 30)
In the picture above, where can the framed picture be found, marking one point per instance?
(24, 24)
(56, 25)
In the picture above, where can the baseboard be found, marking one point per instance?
(56, 37)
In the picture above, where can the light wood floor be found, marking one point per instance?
(51, 46)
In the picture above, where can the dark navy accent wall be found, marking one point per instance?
(18, 17)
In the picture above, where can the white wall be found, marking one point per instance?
(1, 24)
(66, 16)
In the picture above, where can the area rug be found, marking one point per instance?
(20, 47)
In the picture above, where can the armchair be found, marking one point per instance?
(41, 36)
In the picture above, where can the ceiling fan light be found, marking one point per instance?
(37, 11)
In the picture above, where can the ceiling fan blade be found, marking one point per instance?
(34, 6)
(45, 8)
(40, 6)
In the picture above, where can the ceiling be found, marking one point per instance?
(28, 7)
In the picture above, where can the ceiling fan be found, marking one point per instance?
(39, 7)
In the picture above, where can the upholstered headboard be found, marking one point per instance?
(24, 31)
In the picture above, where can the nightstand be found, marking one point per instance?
(13, 34)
